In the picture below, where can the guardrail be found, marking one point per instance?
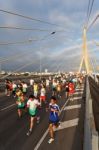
(93, 76)
(90, 133)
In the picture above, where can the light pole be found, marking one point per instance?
(0, 67)
(40, 66)
(40, 56)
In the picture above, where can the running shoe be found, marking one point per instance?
(38, 121)
(50, 140)
(29, 133)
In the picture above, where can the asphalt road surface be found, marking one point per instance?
(68, 137)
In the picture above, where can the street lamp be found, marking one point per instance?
(40, 57)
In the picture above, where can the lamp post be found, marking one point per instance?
(40, 66)
(40, 57)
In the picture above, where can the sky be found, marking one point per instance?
(37, 47)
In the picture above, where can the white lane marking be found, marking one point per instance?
(68, 124)
(8, 107)
(79, 89)
(46, 132)
(77, 92)
(75, 98)
(72, 107)
(41, 140)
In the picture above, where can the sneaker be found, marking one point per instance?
(28, 133)
(50, 140)
(38, 121)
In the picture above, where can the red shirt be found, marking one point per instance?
(71, 88)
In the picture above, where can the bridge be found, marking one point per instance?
(78, 127)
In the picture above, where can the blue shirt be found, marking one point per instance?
(54, 115)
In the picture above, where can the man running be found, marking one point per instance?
(42, 95)
(35, 89)
(47, 84)
(53, 118)
(59, 89)
(31, 84)
(67, 90)
(32, 105)
(7, 91)
(14, 88)
(24, 88)
(20, 103)
(54, 87)
(71, 90)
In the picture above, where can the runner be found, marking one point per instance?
(80, 81)
(31, 84)
(42, 95)
(54, 86)
(35, 88)
(71, 90)
(14, 87)
(20, 103)
(20, 84)
(10, 88)
(67, 90)
(47, 84)
(59, 90)
(32, 104)
(24, 88)
(7, 90)
(53, 118)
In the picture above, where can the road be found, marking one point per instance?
(13, 131)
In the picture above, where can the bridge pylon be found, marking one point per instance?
(85, 57)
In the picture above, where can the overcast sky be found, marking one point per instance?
(59, 51)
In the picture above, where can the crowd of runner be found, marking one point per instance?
(31, 96)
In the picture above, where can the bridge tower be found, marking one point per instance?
(85, 57)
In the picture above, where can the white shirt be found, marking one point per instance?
(54, 84)
(25, 86)
(47, 82)
(14, 86)
(31, 81)
(43, 91)
(32, 104)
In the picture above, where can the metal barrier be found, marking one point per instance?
(94, 76)
(90, 133)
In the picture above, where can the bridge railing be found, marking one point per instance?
(94, 76)
(90, 133)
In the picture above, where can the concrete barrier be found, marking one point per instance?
(90, 133)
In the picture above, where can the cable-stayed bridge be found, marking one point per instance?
(79, 115)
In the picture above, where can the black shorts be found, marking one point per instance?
(54, 89)
(67, 90)
(20, 107)
(32, 115)
(25, 93)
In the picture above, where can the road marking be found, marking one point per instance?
(77, 92)
(8, 107)
(72, 107)
(41, 140)
(79, 97)
(80, 89)
(68, 124)
(46, 132)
